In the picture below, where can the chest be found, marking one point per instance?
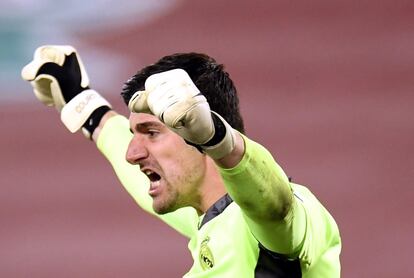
(224, 245)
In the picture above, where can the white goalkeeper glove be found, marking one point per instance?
(176, 101)
(59, 79)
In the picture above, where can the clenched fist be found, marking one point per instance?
(59, 79)
(176, 101)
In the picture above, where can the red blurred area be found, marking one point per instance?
(326, 86)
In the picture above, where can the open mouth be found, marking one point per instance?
(152, 176)
(155, 179)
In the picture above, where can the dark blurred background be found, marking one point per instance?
(326, 86)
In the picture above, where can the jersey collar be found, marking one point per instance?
(217, 208)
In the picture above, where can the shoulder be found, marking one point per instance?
(322, 233)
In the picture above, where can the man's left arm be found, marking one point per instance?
(254, 180)
(262, 190)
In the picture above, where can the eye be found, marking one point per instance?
(152, 132)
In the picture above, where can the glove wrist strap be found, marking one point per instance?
(219, 130)
(93, 121)
(77, 112)
(222, 144)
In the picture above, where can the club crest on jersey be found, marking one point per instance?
(206, 257)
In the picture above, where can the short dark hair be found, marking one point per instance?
(209, 77)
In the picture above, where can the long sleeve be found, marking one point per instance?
(307, 230)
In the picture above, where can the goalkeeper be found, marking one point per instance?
(183, 156)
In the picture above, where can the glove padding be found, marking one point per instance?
(59, 79)
(176, 101)
(57, 75)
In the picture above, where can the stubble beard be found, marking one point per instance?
(183, 192)
(166, 202)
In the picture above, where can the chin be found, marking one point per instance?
(164, 203)
(162, 209)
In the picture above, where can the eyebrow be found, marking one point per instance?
(146, 125)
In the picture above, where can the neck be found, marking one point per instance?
(212, 188)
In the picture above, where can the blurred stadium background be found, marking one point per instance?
(327, 86)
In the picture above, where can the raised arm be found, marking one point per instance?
(262, 190)
(252, 178)
(59, 79)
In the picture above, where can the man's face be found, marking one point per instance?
(174, 168)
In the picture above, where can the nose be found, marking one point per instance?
(136, 151)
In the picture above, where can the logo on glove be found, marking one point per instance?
(81, 105)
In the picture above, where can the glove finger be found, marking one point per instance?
(138, 102)
(45, 54)
(184, 114)
(29, 72)
(165, 95)
(40, 90)
(47, 90)
(169, 79)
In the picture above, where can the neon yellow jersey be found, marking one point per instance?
(221, 242)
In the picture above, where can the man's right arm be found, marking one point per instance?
(59, 79)
(108, 115)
